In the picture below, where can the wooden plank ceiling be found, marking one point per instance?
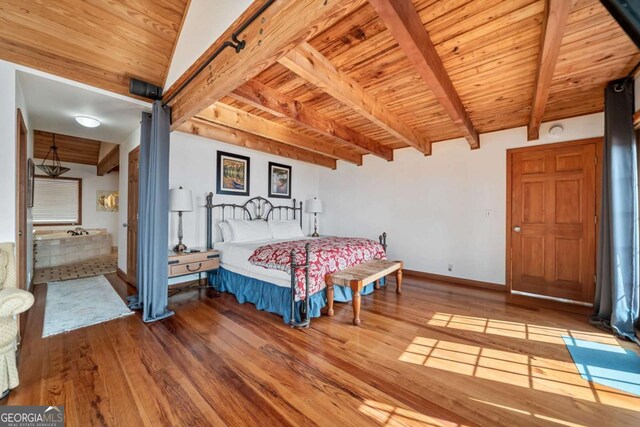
(340, 79)
(100, 43)
(70, 148)
(357, 78)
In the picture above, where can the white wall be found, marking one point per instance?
(448, 208)
(22, 105)
(8, 149)
(91, 183)
(12, 98)
(192, 164)
(206, 20)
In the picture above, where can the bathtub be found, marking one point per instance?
(52, 248)
(62, 234)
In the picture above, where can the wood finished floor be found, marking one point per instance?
(437, 355)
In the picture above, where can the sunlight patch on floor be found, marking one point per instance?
(516, 329)
(389, 415)
(537, 373)
(531, 414)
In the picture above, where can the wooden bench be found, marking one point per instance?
(359, 276)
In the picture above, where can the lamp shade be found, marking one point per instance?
(314, 206)
(180, 200)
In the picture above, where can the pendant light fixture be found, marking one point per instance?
(55, 169)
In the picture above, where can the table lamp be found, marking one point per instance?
(180, 200)
(315, 207)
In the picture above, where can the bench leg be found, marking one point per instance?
(330, 300)
(329, 283)
(356, 307)
(376, 286)
(399, 281)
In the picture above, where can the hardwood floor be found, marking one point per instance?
(436, 355)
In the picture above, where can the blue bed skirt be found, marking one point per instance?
(272, 298)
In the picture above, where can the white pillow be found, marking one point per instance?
(249, 231)
(285, 229)
(225, 231)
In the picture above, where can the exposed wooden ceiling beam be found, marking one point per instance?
(403, 21)
(237, 137)
(312, 66)
(110, 162)
(267, 99)
(556, 14)
(238, 119)
(279, 29)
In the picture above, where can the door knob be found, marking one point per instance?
(125, 225)
(516, 228)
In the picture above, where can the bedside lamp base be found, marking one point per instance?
(315, 225)
(180, 247)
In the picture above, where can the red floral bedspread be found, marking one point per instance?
(326, 255)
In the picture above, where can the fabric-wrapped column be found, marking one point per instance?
(153, 222)
(617, 288)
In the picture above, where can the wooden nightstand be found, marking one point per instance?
(187, 263)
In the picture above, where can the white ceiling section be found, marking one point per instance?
(53, 106)
(206, 20)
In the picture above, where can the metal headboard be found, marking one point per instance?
(256, 208)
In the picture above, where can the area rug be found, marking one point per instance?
(74, 304)
(605, 364)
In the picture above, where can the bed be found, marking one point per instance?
(281, 275)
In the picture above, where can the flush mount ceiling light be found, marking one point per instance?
(88, 122)
(556, 131)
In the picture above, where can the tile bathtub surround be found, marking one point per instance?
(47, 233)
(53, 252)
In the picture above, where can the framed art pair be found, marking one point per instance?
(233, 176)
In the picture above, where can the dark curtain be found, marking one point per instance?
(617, 287)
(153, 217)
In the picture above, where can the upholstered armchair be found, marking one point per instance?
(13, 301)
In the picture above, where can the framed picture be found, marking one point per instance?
(31, 176)
(279, 181)
(107, 201)
(232, 174)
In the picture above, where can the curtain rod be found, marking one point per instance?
(235, 43)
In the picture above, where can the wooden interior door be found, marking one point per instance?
(132, 215)
(21, 202)
(553, 220)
